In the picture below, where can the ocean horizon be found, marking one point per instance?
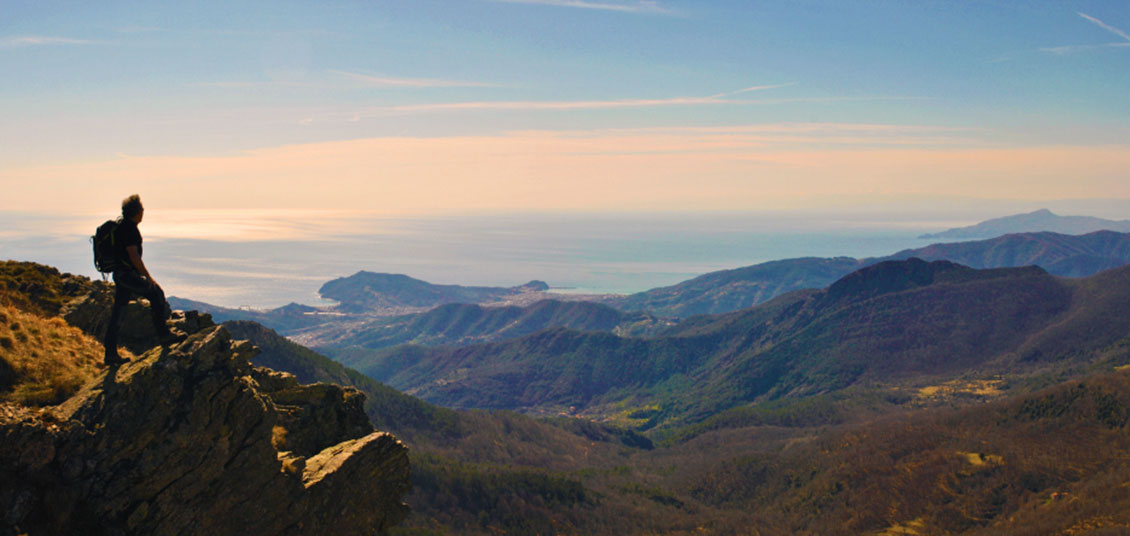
(268, 259)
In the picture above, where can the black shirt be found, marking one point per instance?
(127, 235)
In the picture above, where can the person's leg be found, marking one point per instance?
(134, 283)
(121, 298)
(158, 308)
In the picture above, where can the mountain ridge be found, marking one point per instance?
(730, 290)
(1042, 220)
(461, 324)
(943, 319)
(365, 291)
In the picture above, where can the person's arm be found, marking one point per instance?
(135, 259)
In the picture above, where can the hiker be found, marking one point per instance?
(131, 278)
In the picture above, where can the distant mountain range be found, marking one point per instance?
(365, 321)
(1040, 220)
(368, 291)
(896, 321)
(731, 290)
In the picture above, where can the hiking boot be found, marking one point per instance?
(113, 359)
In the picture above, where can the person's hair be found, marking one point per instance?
(131, 206)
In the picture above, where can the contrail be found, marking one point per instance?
(1105, 26)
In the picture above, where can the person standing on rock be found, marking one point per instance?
(131, 278)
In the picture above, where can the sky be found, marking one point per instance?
(428, 107)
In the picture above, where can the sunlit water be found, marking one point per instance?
(268, 259)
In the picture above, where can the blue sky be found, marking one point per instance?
(441, 106)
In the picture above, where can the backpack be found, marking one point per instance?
(105, 253)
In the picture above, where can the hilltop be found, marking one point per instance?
(368, 291)
(1042, 220)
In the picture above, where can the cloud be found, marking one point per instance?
(640, 6)
(533, 106)
(21, 41)
(752, 88)
(569, 105)
(554, 105)
(709, 168)
(346, 80)
(1071, 49)
(394, 82)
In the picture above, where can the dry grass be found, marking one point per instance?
(977, 459)
(984, 388)
(43, 361)
(278, 438)
(39, 289)
(910, 528)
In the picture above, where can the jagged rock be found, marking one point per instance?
(271, 381)
(314, 416)
(182, 441)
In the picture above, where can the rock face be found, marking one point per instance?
(191, 439)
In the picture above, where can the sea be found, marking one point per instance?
(264, 259)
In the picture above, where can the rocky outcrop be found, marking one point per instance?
(91, 313)
(191, 439)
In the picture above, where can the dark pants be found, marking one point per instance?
(129, 283)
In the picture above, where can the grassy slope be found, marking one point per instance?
(39, 289)
(988, 469)
(42, 359)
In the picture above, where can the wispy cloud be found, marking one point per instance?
(716, 99)
(742, 168)
(20, 41)
(554, 105)
(1071, 49)
(335, 79)
(751, 88)
(640, 6)
(602, 105)
(394, 82)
